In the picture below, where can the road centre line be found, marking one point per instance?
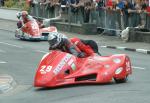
(121, 48)
(41, 51)
(10, 44)
(141, 68)
(2, 62)
(141, 50)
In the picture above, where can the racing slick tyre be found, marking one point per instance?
(124, 80)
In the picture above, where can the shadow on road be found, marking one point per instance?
(72, 86)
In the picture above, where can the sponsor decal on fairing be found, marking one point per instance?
(73, 66)
(61, 64)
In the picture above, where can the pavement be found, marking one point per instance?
(6, 83)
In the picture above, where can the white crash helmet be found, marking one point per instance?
(54, 38)
(18, 14)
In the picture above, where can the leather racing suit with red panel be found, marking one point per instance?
(23, 18)
(89, 47)
(84, 48)
(61, 42)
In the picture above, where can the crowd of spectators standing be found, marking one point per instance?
(125, 7)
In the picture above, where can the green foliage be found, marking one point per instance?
(20, 4)
(26, 7)
(9, 3)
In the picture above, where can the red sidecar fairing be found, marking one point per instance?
(59, 68)
(30, 31)
(46, 31)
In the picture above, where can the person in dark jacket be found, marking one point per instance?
(61, 42)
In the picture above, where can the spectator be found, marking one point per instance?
(110, 17)
(127, 10)
(140, 19)
(88, 6)
(138, 6)
(64, 4)
(33, 7)
(146, 6)
(64, 9)
(100, 4)
(73, 4)
(80, 7)
(81, 3)
(31, 3)
(120, 5)
(56, 4)
(128, 6)
(74, 10)
(49, 7)
(93, 13)
(2, 3)
(101, 11)
(109, 5)
(28, 2)
(44, 4)
(146, 9)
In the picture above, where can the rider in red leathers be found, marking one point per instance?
(23, 17)
(89, 47)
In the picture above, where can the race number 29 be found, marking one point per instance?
(45, 69)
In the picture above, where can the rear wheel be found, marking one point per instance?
(123, 80)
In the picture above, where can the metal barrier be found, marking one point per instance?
(110, 20)
(44, 11)
(147, 26)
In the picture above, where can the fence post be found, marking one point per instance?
(69, 15)
(148, 21)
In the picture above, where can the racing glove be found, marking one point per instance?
(81, 55)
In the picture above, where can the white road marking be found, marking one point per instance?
(2, 62)
(11, 45)
(141, 50)
(121, 48)
(103, 46)
(41, 51)
(141, 68)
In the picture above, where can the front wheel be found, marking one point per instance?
(123, 80)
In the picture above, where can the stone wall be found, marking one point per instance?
(88, 29)
(139, 35)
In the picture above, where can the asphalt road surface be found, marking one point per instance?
(20, 60)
